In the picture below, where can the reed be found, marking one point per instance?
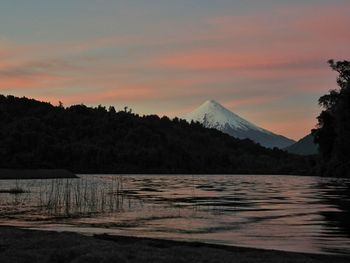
(65, 197)
(75, 198)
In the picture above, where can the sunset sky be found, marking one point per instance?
(264, 60)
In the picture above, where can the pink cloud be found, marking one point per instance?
(250, 101)
(283, 39)
(126, 93)
(16, 82)
(293, 128)
(285, 48)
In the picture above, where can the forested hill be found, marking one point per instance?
(82, 139)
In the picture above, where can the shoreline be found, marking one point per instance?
(24, 174)
(23, 245)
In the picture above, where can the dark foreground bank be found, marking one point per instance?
(9, 174)
(17, 245)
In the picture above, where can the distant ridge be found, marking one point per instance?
(213, 115)
(85, 140)
(304, 146)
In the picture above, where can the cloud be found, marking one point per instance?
(39, 73)
(249, 101)
(290, 39)
(245, 61)
(126, 93)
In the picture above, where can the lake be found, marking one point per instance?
(292, 213)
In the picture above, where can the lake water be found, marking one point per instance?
(292, 213)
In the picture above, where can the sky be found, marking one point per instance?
(264, 60)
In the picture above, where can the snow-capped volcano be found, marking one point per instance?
(213, 115)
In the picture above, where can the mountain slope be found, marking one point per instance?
(213, 115)
(304, 146)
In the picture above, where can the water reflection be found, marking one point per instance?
(293, 213)
(336, 193)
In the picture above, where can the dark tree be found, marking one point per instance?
(333, 131)
(82, 139)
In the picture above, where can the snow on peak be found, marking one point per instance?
(213, 115)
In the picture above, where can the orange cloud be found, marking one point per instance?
(250, 101)
(293, 39)
(24, 82)
(214, 60)
(126, 93)
(247, 60)
(294, 128)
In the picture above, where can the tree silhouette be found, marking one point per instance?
(83, 139)
(333, 130)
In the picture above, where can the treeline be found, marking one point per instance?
(83, 139)
(333, 132)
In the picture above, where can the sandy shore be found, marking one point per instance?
(17, 245)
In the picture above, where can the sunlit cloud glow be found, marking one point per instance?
(253, 61)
